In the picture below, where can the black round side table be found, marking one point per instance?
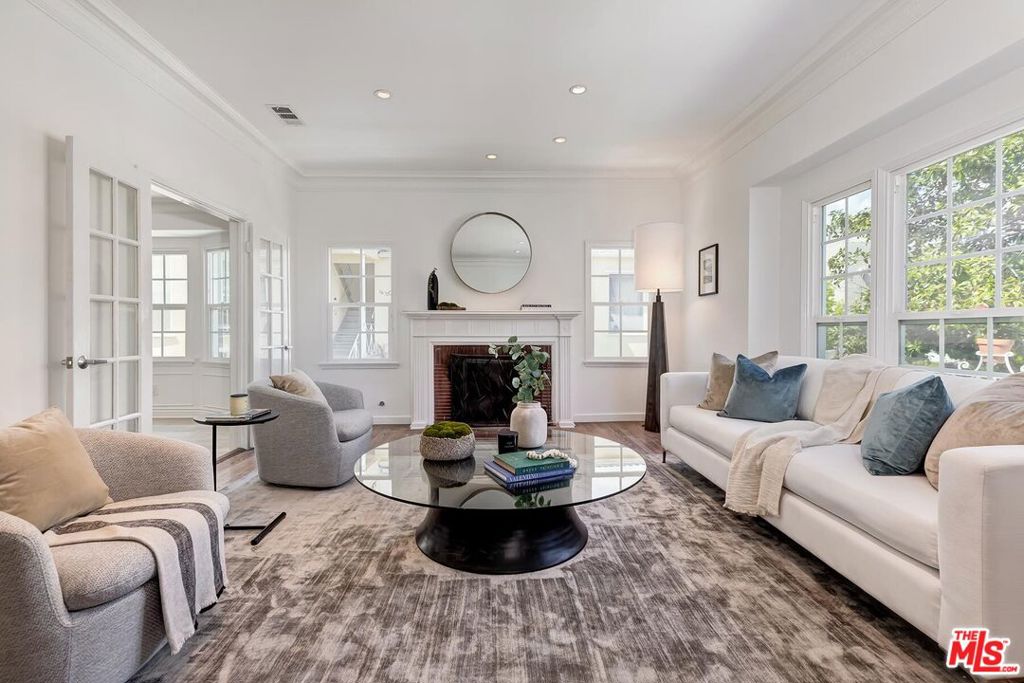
(228, 421)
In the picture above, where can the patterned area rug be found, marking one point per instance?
(671, 587)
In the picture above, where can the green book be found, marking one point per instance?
(516, 462)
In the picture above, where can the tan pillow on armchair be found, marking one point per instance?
(300, 384)
(46, 477)
(993, 416)
(722, 374)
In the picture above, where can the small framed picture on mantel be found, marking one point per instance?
(707, 270)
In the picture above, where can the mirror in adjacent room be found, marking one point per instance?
(491, 252)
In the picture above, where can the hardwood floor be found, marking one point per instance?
(235, 466)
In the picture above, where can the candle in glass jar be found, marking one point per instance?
(239, 404)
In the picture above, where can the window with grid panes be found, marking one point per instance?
(618, 316)
(963, 238)
(360, 303)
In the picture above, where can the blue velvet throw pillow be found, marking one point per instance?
(902, 425)
(758, 395)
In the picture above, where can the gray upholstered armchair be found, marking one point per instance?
(91, 612)
(311, 444)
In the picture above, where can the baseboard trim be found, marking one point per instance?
(610, 417)
(392, 420)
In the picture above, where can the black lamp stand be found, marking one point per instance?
(657, 365)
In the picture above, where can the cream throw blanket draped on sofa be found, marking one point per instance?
(182, 530)
(761, 456)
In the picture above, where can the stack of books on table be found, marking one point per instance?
(237, 419)
(519, 474)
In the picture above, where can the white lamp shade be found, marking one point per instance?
(658, 250)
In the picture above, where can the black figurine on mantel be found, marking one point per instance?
(432, 293)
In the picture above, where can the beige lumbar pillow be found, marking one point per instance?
(46, 476)
(993, 416)
(299, 383)
(722, 374)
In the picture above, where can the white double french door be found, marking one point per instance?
(108, 361)
(273, 333)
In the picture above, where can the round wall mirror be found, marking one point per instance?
(491, 252)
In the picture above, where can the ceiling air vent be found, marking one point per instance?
(286, 114)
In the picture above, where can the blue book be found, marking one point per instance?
(509, 479)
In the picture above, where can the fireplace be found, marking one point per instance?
(474, 387)
(433, 330)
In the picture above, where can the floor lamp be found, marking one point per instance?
(658, 250)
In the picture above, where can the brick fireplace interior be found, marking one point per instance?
(472, 386)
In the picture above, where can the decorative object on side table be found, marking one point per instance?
(432, 291)
(707, 271)
(443, 441)
(528, 419)
(658, 250)
(239, 404)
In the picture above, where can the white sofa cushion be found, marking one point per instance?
(902, 512)
(721, 433)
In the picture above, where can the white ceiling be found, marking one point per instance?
(471, 77)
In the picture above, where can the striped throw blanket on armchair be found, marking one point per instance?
(184, 531)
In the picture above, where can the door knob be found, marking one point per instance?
(84, 362)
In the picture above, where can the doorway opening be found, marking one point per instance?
(198, 341)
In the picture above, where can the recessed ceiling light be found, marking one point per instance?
(383, 94)
(518, 251)
(578, 89)
(559, 140)
(492, 157)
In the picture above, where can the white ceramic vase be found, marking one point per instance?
(530, 422)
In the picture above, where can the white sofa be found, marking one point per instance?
(940, 559)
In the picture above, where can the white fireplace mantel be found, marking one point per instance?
(428, 329)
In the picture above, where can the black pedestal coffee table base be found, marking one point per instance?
(501, 541)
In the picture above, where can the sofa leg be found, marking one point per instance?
(663, 455)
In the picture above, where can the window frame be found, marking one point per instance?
(589, 322)
(899, 222)
(814, 315)
(208, 307)
(159, 308)
(327, 327)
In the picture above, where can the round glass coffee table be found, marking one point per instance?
(475, 524)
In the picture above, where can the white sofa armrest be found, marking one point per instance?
(681, 389)
(981, 543)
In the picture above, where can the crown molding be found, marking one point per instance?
(477, 181)
(311, 178)
(106, 28)
(870, 27)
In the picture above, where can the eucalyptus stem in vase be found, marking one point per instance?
(529, 420)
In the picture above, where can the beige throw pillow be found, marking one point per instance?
(993, 416)
(722, 374)
(46, 476)
(299, 383)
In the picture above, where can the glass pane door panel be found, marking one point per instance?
(127, 212)
(101, 382)
(101, 214)
(128, 330)
(101, 266)
(128, 271)
(127, 387)
(101, 329)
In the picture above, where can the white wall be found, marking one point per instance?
(958, 47)
(54, 84)
(418, 218)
